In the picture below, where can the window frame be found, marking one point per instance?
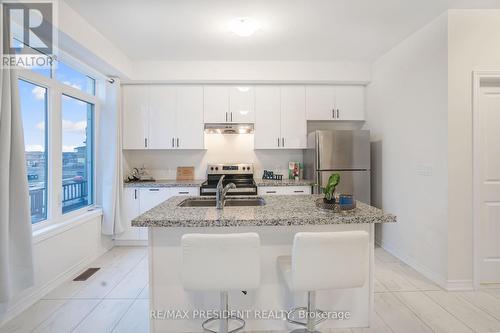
(55, 92)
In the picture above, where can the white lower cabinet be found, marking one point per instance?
(283, 190)
(139, 200)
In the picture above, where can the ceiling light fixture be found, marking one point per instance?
(243, 26)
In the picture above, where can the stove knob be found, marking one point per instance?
(212, 168)
(216, 168)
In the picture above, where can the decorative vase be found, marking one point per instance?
(330, 202)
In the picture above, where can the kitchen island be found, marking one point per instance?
(276, 222)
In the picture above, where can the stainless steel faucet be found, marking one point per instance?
(220, 194)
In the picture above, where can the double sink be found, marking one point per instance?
(235, 202)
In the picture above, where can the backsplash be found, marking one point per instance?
(163, 164)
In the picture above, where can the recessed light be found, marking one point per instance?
(243, 89)
(244, 26)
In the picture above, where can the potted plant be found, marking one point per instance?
(329, 190)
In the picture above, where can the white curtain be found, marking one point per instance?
(16, 255)
(110, 152)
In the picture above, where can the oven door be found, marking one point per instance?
(210, 191)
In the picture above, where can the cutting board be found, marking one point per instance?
(185, 173)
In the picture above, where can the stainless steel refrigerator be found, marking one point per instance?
(343, 152)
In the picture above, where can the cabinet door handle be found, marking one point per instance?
(333, 113)
(154, 190)
(283, 142)
(173, 143)
(145, 142)
(226, 117)
(271, 192)
(278, 142)
(177, 142)
(231, 117)
(183, 192)
(135, 194)
(338, 113)
(298, 191)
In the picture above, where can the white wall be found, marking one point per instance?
(407, 114)
(474, 37)
(219, 149)
(58, 256)
(253, 71)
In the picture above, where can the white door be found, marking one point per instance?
(135, 116)
(189, 130)
(216, 104)
(293, 117)
(350, 103)
(320, 102)
(162, 109)
(487, 147)
(242, 104)
(152, 197)
(130, 211)
(267, 117)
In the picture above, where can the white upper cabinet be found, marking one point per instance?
(189, 129)
(229, 104)
(216, 104)
(162, 114)
(350, 102)
(135, 116)
(320, 102)
(267, 117)
(242, 104)
(280, 117)
(163, 117)
(335, 102)
(293, 117)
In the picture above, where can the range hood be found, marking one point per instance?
(228, 128)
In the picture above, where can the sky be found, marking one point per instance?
(74, 112)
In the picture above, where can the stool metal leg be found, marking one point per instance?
(224, 310)
(224, 318)
(310, 324)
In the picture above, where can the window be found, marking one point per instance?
(77, 153)
(71, 77)
(59, 131)
(34, 115)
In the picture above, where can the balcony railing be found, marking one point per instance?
(75, 195)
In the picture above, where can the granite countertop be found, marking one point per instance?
(165, 183)
(284, 182)
(279, 210)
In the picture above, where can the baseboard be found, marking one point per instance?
(124, 242)
(35, 295)
(459, 285)
(425, 271)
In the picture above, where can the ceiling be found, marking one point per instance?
(293, 30)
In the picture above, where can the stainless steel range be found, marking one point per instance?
(240, 175)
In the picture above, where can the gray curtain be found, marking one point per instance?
(110, 152)
(16, 257)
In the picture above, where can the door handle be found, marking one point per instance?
(172, 142)
(278, 142)
(226, 117)
(333, 113)
(145, 142)
(231, 117)
(135, 194)
(338, 113)
(283, 142)
(154, 190)
(177, 142)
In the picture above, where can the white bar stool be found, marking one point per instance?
(320, 261)
(221, 262)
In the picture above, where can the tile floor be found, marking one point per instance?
(115, 300)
